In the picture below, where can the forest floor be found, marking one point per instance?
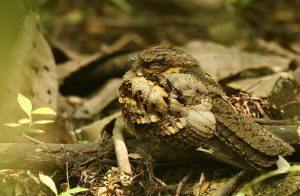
(251, 48)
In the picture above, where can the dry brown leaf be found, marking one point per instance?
(262, 86)
(95, 130)
(222, 62)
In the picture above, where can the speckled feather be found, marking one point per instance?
(166, 97)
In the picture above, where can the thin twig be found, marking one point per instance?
(275, 122)
(197, 190)
(183, 182)
(261, 111)
(122, 153)
(67, 173)
(229, 186)
(187, 190)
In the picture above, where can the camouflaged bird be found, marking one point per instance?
(167, 98)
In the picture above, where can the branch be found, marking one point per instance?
(42, 156)
(122, 153)
(54, 156)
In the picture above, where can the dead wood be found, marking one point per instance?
(54, 156)
(42, 156)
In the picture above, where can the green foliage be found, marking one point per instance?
(27, 123)
(25, 104)
(73, 191)
(47, 180)
(44, 110)
(83, 141)
(33, 131)
(124, 6)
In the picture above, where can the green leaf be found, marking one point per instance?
(44, 110)
(24, 121)
(41, 122)
(25, 104)
(47, 180)
(33, 131)
(83, 141)
(65, 194)
(73, 191)
(12, 124)
(124, 6)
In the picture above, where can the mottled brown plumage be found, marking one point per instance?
(167, 98)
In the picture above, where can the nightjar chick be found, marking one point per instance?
(167, 98)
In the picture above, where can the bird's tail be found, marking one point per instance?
(255, 144)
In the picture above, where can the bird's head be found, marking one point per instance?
(160, 59)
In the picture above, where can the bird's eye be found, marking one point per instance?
(156, 66)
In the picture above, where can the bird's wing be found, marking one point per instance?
(209, 114)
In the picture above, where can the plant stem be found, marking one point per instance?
(32, 139)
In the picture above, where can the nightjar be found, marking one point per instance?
(167, 98)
